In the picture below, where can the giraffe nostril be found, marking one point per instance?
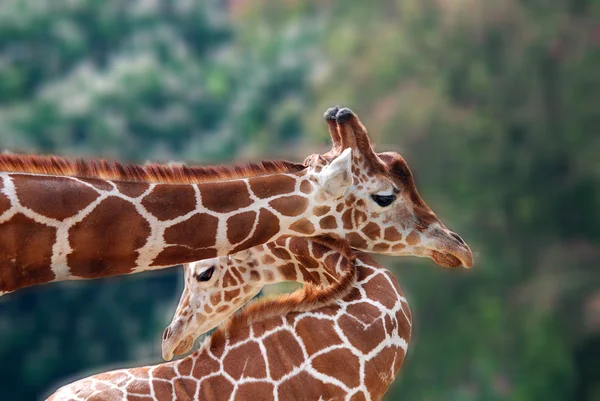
(167, 333)
(458, 238)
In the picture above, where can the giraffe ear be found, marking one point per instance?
(242, 256)
(337, 176)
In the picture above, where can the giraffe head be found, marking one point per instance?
(214, 289)
(380, 209)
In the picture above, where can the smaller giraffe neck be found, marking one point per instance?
(351, 349)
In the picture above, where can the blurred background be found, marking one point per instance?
(494, 104)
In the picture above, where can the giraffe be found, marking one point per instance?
(216, 288)
(350, 349)
(71, 219)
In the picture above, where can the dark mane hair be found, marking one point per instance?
(162, 173)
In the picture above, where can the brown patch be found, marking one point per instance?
(185, 389)
(106, 241)
(289, 271)
(328, 223)
(204, 365)
(268, 186)
(321, 210)
(25, 253)
(267, 260)
(169, 201)
(225, 197)
(239, 226)
(385, 292)
(281, 253)
(347, 219)
(163, 173)
(364, 312)
(199, 231)
(339, 207)
(222, 308)
(359, 217)
(398, 247)
(379, 372)
(372, 231)
(290, 205)
(283, 353)
(215, 388)
(185, 366)
(98, 183)
(163, 391)
(255, 391)
(306, 187)
(131, 189)
(413, 238)
(266, 229)
(303, 226)
(381, 247)
(245, 361)
(340, 364)
(174, 255)
(138, 387)
(365, 339)
(230, 295)
(316, 334)
(54, 197)
(391, 234)
(165, 372)
(356, 241)
(309, 387)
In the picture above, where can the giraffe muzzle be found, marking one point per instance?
(448, 249)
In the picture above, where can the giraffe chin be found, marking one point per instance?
(445, 259)
(184, 345)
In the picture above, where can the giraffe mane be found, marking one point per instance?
(306, 299)
(150, 173)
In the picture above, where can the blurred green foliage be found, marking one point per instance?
(494, 104)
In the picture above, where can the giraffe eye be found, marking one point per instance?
(205, 275)
(383, 200)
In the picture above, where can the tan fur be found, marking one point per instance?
(163, 173)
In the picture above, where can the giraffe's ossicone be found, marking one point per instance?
(349, 349)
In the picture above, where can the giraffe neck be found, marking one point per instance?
(351, 349)
(61, 227)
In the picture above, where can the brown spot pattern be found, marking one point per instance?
(169, 201)
(310, 387)
(328, 223)
(224, 197)
(290, 205)
(340, 364)
(215, 388)
(255, 391)
(303, 226)
(316, 334)
(268, 186)
(306, 187)
(105, 242)
(239, 226)
(283, 353)
(54, 197)
(412, 238)
(131, 189)
(25, 253)
(199, 231)
(267, 228)
(176, 254)
(242, 362)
